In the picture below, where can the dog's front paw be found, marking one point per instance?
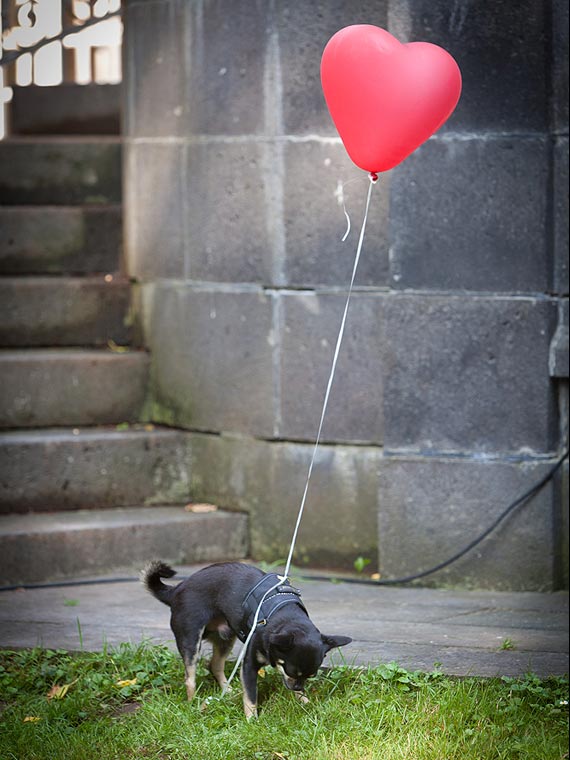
(302, 697)
(249, 708)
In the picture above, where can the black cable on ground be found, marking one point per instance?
(344, 579)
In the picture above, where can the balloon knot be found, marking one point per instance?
(373, 177)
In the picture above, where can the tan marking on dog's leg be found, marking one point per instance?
(216, 667)
(249, 708)
(190, 680)
(190, 668)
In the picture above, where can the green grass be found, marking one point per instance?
(129, 704)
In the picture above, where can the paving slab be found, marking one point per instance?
(462, 633)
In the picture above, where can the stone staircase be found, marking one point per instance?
(86, 486)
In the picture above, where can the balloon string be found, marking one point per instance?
(343, 238)
(372, 176)
(282, 578)
(373, 180)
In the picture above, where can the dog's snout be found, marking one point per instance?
(295, 684)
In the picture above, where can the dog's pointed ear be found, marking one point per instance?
(282, 641)
(331, 642)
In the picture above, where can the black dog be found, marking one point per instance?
(219, 603)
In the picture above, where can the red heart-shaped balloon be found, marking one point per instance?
(386, 98)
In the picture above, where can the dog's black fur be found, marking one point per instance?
(208, 605)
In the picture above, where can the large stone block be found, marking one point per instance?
(212, 358)
(309, 327)
(228, 213)
(226, 41)
(155, 186)
(318, 177)
(60, 170)
(560, 210)
(468, 374)
(430, 509)
(471, 215)
(57, 469)
(63, 311)
(267, 481)
(501, 49)
(48, 387)
(155, 63)
(60, 239)
(303, 31)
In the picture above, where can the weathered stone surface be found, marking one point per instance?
(66, 109)
(560, 66)
(60, 170)
(429, 509)
(66, 311)
(155, 73)
(43, 387)
(501, 51)
(453, 369)
(60, 239)
(236, 197)
(226, 41)
(228, 213)
(309, 328)
(56, 469)
(471, 215)
(560, 212)
(318, 176)
(302, 38)
(154, 196)
(212, 358)
(39, 548)
(267, 481)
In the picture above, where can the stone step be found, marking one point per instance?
(64, 311)
(67, 108)
(54, 469)
(60, 170)
(50, 547)
(60, 239)
(60, 387)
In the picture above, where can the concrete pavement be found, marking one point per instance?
(462, 632)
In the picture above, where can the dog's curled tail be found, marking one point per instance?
(150, 577)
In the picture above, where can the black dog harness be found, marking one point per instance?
(283, 594)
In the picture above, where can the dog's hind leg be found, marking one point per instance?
(221, 646)
(189, 648)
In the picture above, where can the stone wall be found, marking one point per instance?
(449, 401)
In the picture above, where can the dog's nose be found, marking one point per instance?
(298, 686)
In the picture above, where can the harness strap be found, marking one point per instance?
(278, 597)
